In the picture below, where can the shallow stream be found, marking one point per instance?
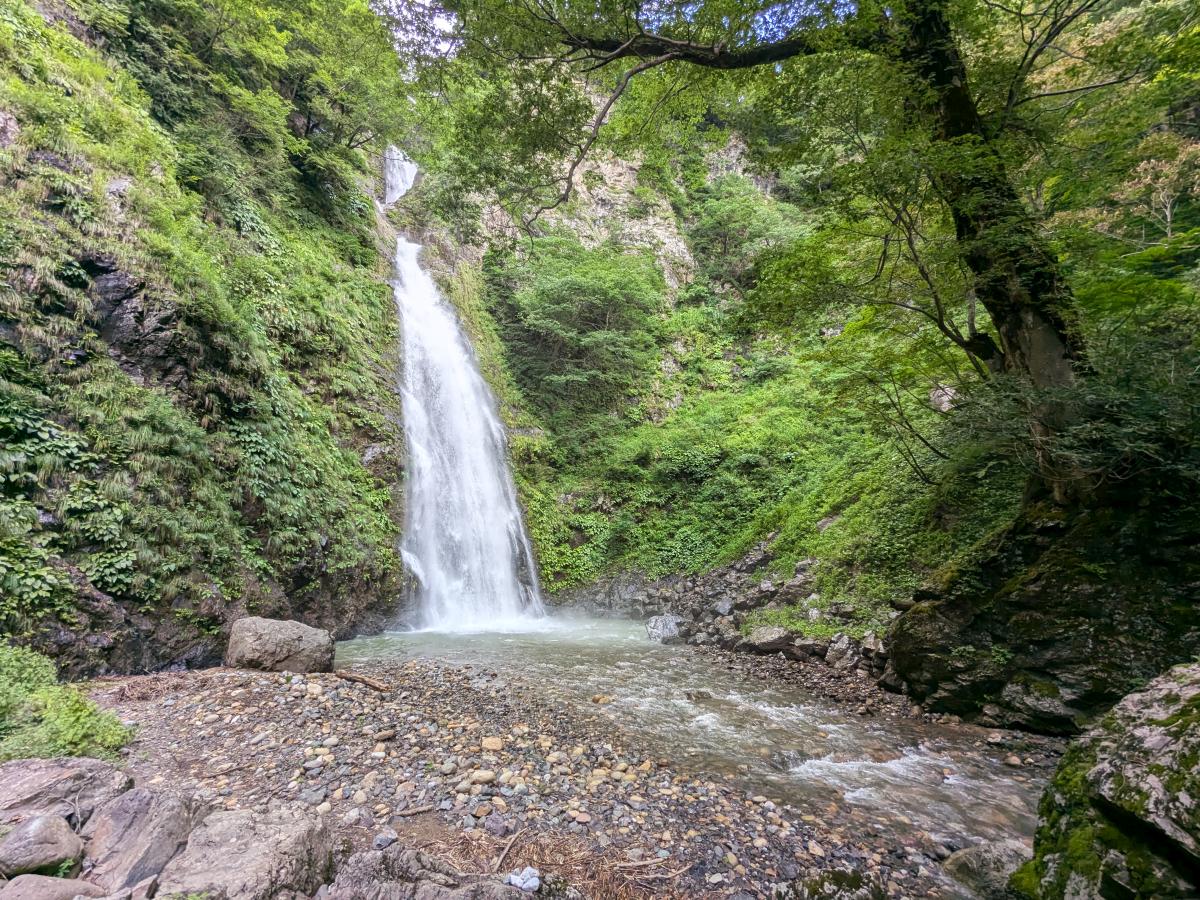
(883, 775)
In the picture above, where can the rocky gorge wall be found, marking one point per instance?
(197, 347)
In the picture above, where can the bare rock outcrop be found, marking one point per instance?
(133, 837)
(253, 855)
(68, 788)
(400, 873)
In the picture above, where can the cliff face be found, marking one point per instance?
(197, 341)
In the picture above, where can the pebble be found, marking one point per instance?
(385, 839)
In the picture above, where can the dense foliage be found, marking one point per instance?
(39, 717)
(197, 330)
(832, 371)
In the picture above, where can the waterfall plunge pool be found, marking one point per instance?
(877, 775)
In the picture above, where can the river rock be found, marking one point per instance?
(400, 873)
(769, 639)
(43, 887)
(279, 646)
(1121, 816)
(71, 788)
(39, 846)
(253, 855)
(985, 868)
(843, 653)
(666, 629)
(133, 837)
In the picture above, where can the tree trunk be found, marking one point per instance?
(1017, 278)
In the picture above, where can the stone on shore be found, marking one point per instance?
(279, 646)
(253, 855)
(985, 868)
(42, 845)
(70, 788)
(769, 639)
(666, 629)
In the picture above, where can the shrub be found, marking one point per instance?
(39, 717)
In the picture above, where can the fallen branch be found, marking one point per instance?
(363, 679)
(503, 853)
(416, 811)
(639, 864)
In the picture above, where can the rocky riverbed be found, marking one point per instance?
(472, 767)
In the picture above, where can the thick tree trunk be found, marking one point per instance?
(1017, 278)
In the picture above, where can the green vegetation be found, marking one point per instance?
(198, 332)
(39, 717)
(911, 307)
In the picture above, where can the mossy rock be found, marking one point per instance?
(1065, 615)
(1119, 818)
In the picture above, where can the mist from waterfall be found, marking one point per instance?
(464, 538)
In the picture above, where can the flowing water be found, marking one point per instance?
(464, 539)
(886, 776)
(478, 603)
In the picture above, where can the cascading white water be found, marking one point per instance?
(399, 173)
(464, 539)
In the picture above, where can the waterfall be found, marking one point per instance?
(399, 173)
(464, 539)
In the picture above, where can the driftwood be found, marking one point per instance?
(415, 811)
(503, 853)
(363, 679)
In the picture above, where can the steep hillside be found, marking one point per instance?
(197, 410)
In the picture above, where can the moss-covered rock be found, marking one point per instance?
(1120, 818)
(1052, 620)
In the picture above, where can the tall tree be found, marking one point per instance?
(1016, 276)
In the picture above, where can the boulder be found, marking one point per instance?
(666, 629)
(726, 634)
(42, 845)
(400, 873)
(133, 837)
(985, 868)
(278, 646)
(71, 788)
(252, 855)
(769, 639)
(843, 653)
(1047, 624)
(811, 647)
(1121, 816)
(43, 887)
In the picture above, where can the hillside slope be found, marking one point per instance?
(197, 410)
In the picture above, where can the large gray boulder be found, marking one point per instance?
(133, 837)
(399, 873)
(666, 629)
(985, 868)
(43, 887)
(253, 855)
(71, 788)
(769, 639)
(42, 845)
(279, 646)
(1121, 817)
